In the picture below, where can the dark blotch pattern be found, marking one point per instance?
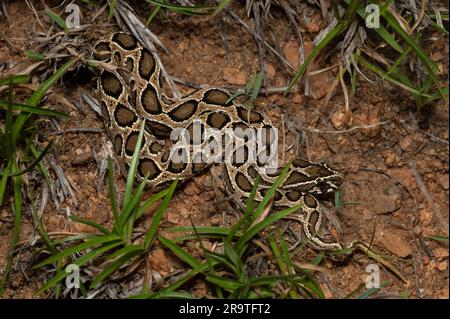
(216, 97)
(249, 115)
(118, 144)
(111, 84)
(294, 195)
(150, 102)
(147, 166)
(102, 51)
(125, 40)
(158, 129)
(218, 120)
(124, 116)
(184, 111)
(146, 64)
(243, 182)
(130, 143)
(297, 177)
(310, 201)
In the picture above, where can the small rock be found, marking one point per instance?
(407, 143)
(314, 23)
(98, 213)
(440, 252)
(443, 181)
(159, 262)
(270, 71)
(387, 201)
(233, 76)
(173, 217)
(192, 188)
(341, 118)
(437, 56)
(417, 230)
(443, 265)
(81, 159)
(391, 158)
(395, 244)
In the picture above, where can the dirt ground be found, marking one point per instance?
(396, 172)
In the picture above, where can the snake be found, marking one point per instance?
(129, 88)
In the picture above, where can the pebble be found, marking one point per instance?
(233, 76)
(192, 188)
(395, 244)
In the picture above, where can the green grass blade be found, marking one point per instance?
(158, 216)
(35, 162)
(133, 167)
(115, 265)
(57, 19)
(97, 240)
(79, 262)
(34, 110)
(270, 193)
(179, 252)
(252, 231)
(15, 79)
(91, 223)
(113, 199)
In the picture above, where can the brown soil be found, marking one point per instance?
(396, 173)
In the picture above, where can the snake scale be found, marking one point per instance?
(130, 92)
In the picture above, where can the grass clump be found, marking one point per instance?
(19, 154)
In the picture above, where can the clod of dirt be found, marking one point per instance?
(233, 76)
(407, 143)
(395, 243)
(192, 188)
(159, 262)
(341, 118)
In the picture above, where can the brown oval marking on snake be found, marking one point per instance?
(124, 116)
(155, 148)
(130, 143)
(118, 140)
(249, 116)
(297, 177)
(147, 166)
(218, 120)
(149, 100)
(146, 64)
(243, 182)
(184, 111)
(111, 84)
(125, 40)
(216, 97)
(294, 195)
(252, 172)
(158, 129)
(314, 217)
(310, 201)
(277, 196)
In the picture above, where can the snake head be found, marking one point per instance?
(316, 178)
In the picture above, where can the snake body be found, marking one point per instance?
(130, 91)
